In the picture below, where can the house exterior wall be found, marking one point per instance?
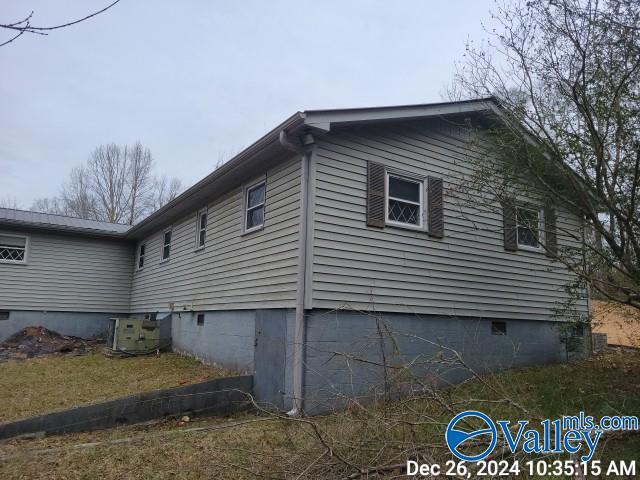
(466, 273)
(234, 270)
(69, 284)
(68, 273)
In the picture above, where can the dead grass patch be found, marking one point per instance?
(37, 385)
(284, 449)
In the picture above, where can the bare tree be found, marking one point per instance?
(164, 191)
(566, 74)
(141, 184)
(116, 185)
(48, 205)
(9, 202)
(77, 198)
(20, 27)
(107, 170)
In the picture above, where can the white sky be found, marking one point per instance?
(198, 80)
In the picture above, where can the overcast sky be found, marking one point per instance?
(199, 80)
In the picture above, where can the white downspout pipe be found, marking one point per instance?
(299, 331)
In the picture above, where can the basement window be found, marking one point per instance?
(404, 203)
(4, 314)
(166, 245)
(498, 328)
(200, 319)
(254, 201)
(141, 252)
(13, 248)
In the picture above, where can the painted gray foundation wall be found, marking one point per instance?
(340, 343)
(78, 324)
(228, 338)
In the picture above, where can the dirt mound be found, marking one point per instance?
(39, 341)
(620, 323)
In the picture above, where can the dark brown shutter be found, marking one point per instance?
(550, 235)
(435, 214)
(375, 194)
(510, 225)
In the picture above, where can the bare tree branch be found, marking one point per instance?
(24, 26)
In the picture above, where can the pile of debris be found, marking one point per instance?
(39, 341)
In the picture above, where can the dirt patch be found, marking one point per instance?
(33, 342)
(619, 322)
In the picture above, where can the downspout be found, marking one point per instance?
(305, 150)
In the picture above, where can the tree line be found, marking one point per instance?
(117, 184)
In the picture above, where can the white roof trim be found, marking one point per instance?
(323, 119)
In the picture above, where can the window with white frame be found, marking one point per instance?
(13, 248)
(405, 201)
(529, 221)
(142, 249)
(254, 206)
(201, 229)
(166, 245)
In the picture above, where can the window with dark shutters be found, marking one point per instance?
(375, 195)
(510, 225)
(435, 216)
(550, 234)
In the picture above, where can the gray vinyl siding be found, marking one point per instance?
(467, 273)
(234, 270)
(68, 274)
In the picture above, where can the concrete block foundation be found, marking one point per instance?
(345, 351)
(77, 324)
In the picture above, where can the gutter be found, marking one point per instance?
(292, 122)
(305, 149)
(61, 229)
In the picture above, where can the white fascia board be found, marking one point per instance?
(323, 119)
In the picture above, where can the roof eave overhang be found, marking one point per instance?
(268, 149)
(324, 120)
(18, 225)
(260, 155)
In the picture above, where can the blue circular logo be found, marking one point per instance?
(458, 433)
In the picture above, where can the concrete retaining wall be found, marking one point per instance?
(221, 396)
(78, 324)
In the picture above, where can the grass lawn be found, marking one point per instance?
(38, 385)
(266, 447)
